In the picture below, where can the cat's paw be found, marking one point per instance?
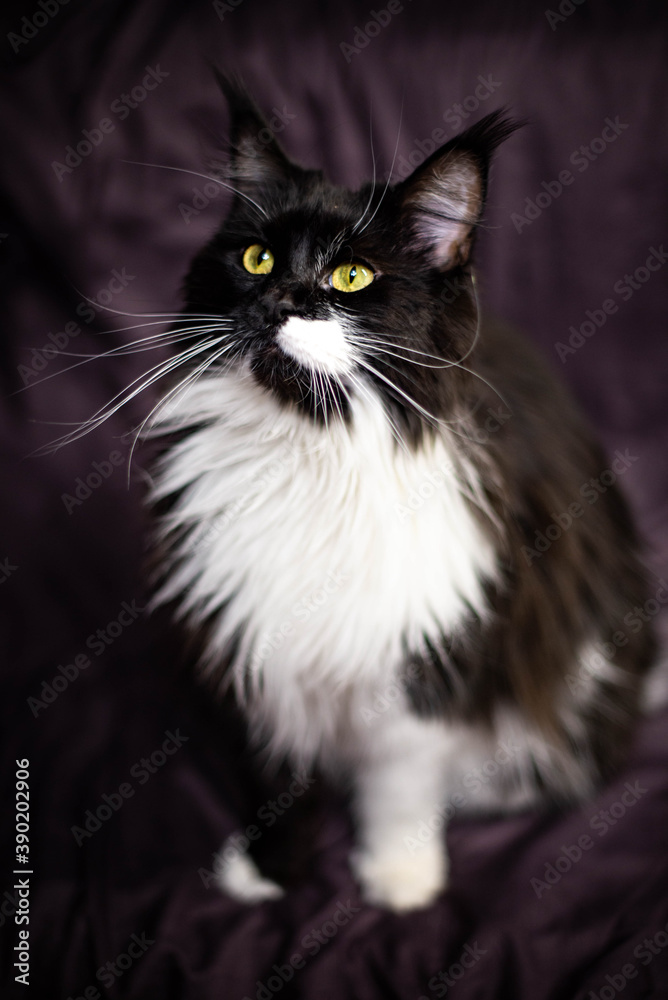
(239, 877)
(400, 881)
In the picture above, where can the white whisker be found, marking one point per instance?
(373, 182)
(389, 179)
(378, 349)
(334, 389)
(174, 316)
(181, 388)
(103, 413)
(195, 173)
(415, 405)
(364, 391)
(165, 339)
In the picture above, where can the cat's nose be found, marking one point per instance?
(279, 304)
(284, 307)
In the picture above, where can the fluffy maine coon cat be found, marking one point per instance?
(371, 497)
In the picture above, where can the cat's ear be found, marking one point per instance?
(255, 155)
(443, 199)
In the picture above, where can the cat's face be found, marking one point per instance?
(330, 292)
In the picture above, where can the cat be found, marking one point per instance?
(383, 518)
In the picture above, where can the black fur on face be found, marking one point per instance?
(408, 331)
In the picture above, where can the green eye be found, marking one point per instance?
(258, 260)
(351, 277)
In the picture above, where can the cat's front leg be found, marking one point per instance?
(402, 782)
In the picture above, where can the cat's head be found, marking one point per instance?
(328, 291)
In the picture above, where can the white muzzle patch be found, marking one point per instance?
(318, 344)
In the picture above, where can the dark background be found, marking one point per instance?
(67, 572)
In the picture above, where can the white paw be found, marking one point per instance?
(401, 881)
(238, 876)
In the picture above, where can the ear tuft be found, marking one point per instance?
(255, 156)
(444, 198)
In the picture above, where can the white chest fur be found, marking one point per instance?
(326, 552)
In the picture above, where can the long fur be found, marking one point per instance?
(349, 499)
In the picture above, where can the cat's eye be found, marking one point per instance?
(258, 259)
(351, 277)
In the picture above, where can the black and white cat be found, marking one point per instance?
(349, 503)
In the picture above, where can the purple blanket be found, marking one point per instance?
(135, 777)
